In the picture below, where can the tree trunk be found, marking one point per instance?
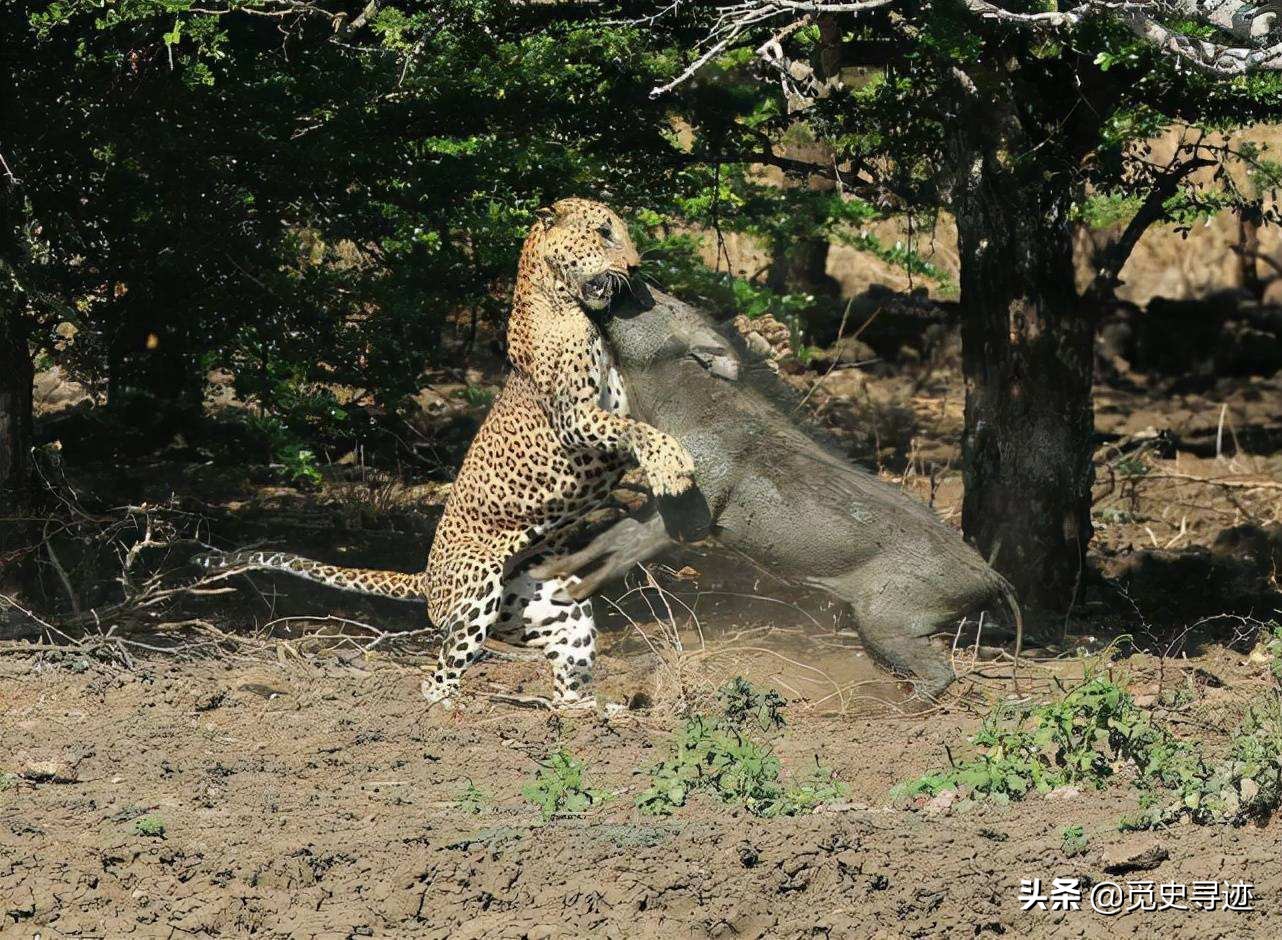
(1027, 359)
(802, 267)
(1248, 250)
(16, 376)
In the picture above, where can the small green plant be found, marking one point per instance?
(298, 463)
(1086, 735)
(559, 789)
(153, 827)
(742, 703)
(806, 354)
(1073, 841)
(294, 460)
(712, 757)
(1131, 467)
(1273, 646)
(819, 788)
(473, 800)
(1023, 748)
(1132, 471)
(720, 756)
(7, 782)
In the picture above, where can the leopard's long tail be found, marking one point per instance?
(394, 584)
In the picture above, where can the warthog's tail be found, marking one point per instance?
(394, 584)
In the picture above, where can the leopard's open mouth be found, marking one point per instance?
(596, 293)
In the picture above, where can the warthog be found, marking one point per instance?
(771, 488)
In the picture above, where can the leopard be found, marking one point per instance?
(555, 443)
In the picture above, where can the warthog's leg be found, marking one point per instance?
(906, 648)
(896, 626)
(632, 541)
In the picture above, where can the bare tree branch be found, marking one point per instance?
(1250, 23)
(1202, 54)
(1150, 211)
(1244, 20)
(735, 19)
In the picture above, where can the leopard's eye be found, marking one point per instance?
(605, 231)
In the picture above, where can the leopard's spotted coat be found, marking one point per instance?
(552, 447)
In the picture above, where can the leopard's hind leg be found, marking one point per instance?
(541, 614)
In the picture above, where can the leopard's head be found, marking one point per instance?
(583, 248)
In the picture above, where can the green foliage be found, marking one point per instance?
(900, 255)
(674, 262)
(1079, 111)
(806, 794)
(719, 760)
(1176, 782)
(1131, 467)
(320, 199)
(1040, 747)
(165, 199)
(742, 704)
(1273, 646)
(1112, 515)
(730, 199)
(721, 757)
(153, 827)
(295, 461)
(299, 464)
(478, 397)
(1106, 210)
(558, 789)
(1087, 735)
(1073, 841)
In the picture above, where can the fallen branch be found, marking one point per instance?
(1216, 481)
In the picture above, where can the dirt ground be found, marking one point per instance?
(304, 790)
(321, 800)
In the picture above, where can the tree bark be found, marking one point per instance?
(1248, 250)
(802, 265)
(16, 368)
(16, 376)
(1028, 366)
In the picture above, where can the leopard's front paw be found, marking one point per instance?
(670, 469)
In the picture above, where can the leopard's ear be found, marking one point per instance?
(546, 215)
